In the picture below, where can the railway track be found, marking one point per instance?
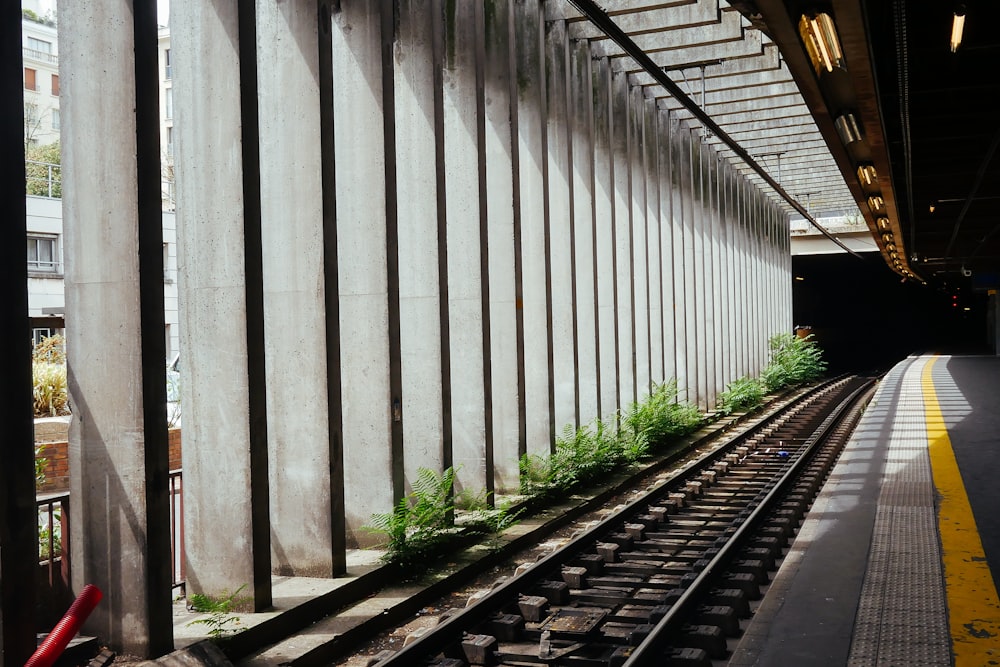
(666, 580)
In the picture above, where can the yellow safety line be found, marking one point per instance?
(973, 604)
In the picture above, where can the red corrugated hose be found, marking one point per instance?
(55, 643)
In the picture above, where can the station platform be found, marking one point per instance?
(895, 563)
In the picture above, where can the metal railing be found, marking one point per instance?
(43, 179)
(54, 532)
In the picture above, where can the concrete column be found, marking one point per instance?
(640, 276)
(423, 279)
(299, 434)
(730, 275)
(372, 414)
(585, 276)
(117, 384)
(622, 169)
(219, 264)
(701, 267)
(468, 286)
(665, 185)
(560, 224)
(690, 266)
(654, 241)
(679, 167)
(532, 172)
(742, 290)
(604, 241)
(506, 330)
(716, 337)
(18, 516)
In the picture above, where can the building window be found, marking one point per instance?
(39, 334)
(168, 103)
(170, 141)
(29, 79)
(55, 85)
(43, 254)
(167, 67)
(55, 119)
(166, 265)
(39, 45)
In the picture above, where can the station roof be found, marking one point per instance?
(897, 128)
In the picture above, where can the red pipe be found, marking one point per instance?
(55, 643)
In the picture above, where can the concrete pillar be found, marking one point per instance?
(701, 267)
(666, 228)
(423, 278)
(716, 337)
(742, 291)
(585, 277)
(689, 266)
(468, 275)
(654, 241)
(506, 328)
(710, 207)
(620, 126)
(679, 167)
(18, 516)
(532, 173)
(117, 382)
(372, 412)
(640, 276)
(560, 226)
(219, 264)
(300, 451)
(604, 241)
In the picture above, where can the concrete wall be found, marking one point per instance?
(463, 232)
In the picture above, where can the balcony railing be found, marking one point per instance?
(43, 179)
(42, 56)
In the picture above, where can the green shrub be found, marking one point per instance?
(794, 360)
(660, 416)
(742, 394)
(50, 397)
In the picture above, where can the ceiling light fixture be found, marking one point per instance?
(820, 37)
(848, 128)
(957, 27)
(883, 223)
(876, 204)
(867, 175)
(932, 207)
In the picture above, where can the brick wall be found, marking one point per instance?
(57, 465)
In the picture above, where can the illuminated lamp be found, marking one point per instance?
(867, 175)
(822, 44)
(887, 237)
(876, 203)
(891, 247)
(957, 27)
(883, 223)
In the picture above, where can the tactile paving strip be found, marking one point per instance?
(902, 617)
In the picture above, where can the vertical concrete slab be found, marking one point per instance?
(532, 172)
(299, 436)
(712, 337)
(681, 241)
(223, 466)
(701, 267)
(423, 331)
(467, 279)
(506, 340)
(622, 170)
(666, 226)
(640, 276)
(654, 241)
(728, 272)
(604, 241)
(372, 464)
(560, 221)
(585, 277)
(18, 515)
(690, 265)
(111, 211)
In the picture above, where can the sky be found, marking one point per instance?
(162, 9)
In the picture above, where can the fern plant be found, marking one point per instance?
(742, 394)
(221, 622)
(421, 521)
